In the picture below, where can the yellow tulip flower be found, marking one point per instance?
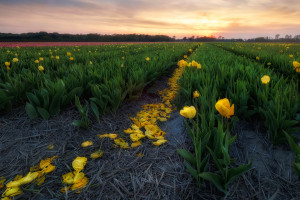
(195, 94)
(188, 112)
(41, 68)
(15, 60)
(147, 59)
(265, 79)
(224, 108)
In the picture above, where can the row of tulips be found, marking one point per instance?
(49, 78)
(254, 91)
(282, 58)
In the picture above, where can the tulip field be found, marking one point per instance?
(104, 118)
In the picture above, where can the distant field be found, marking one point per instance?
(51, 44)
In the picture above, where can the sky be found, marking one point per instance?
(227, 18)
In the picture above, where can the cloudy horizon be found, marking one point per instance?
(230, 19)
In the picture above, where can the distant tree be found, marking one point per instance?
(277, 36)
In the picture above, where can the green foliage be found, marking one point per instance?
(84, 112)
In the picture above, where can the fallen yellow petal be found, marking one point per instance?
(87, 143)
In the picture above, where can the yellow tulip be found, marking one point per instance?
(257, 58)
(265, 79)
(69, 54)
(224, 108)
(147, 59)
(188, 112)
(41, 59)
(194, 63)
(36, 61)
(190, 50)
(291, 56)
(79, 163)
(91, 62)
(195, 94)
(295, 63)
(15, 60)
(97, 154)
(7, 64)
(41, 68)
(269, 64)
(57, 57)
(185, 56)
(123, 57)
(87, 144)
(71, 58)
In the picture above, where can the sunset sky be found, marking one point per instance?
(228, 18)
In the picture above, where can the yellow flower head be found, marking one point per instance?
(69, 54)
(224, 108)
(298, 69)
(36, 61)
(269, 64)
(97, 154)
(257, 58)
(194, 63)
(291, 55)
(265, 79)
(147, 59)
(7, 64)
(190, 50)
(188, 112)
(79, 163)
(15, 60)
(195, 94)
(87, 143)
(41, 59)
(57, 57)
(185, 56)
(295, 63)
(91, 62)
(50, 146)
(123, 57)
(41, 68)
(71, 58)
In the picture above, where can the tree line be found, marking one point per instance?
(57, 37)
